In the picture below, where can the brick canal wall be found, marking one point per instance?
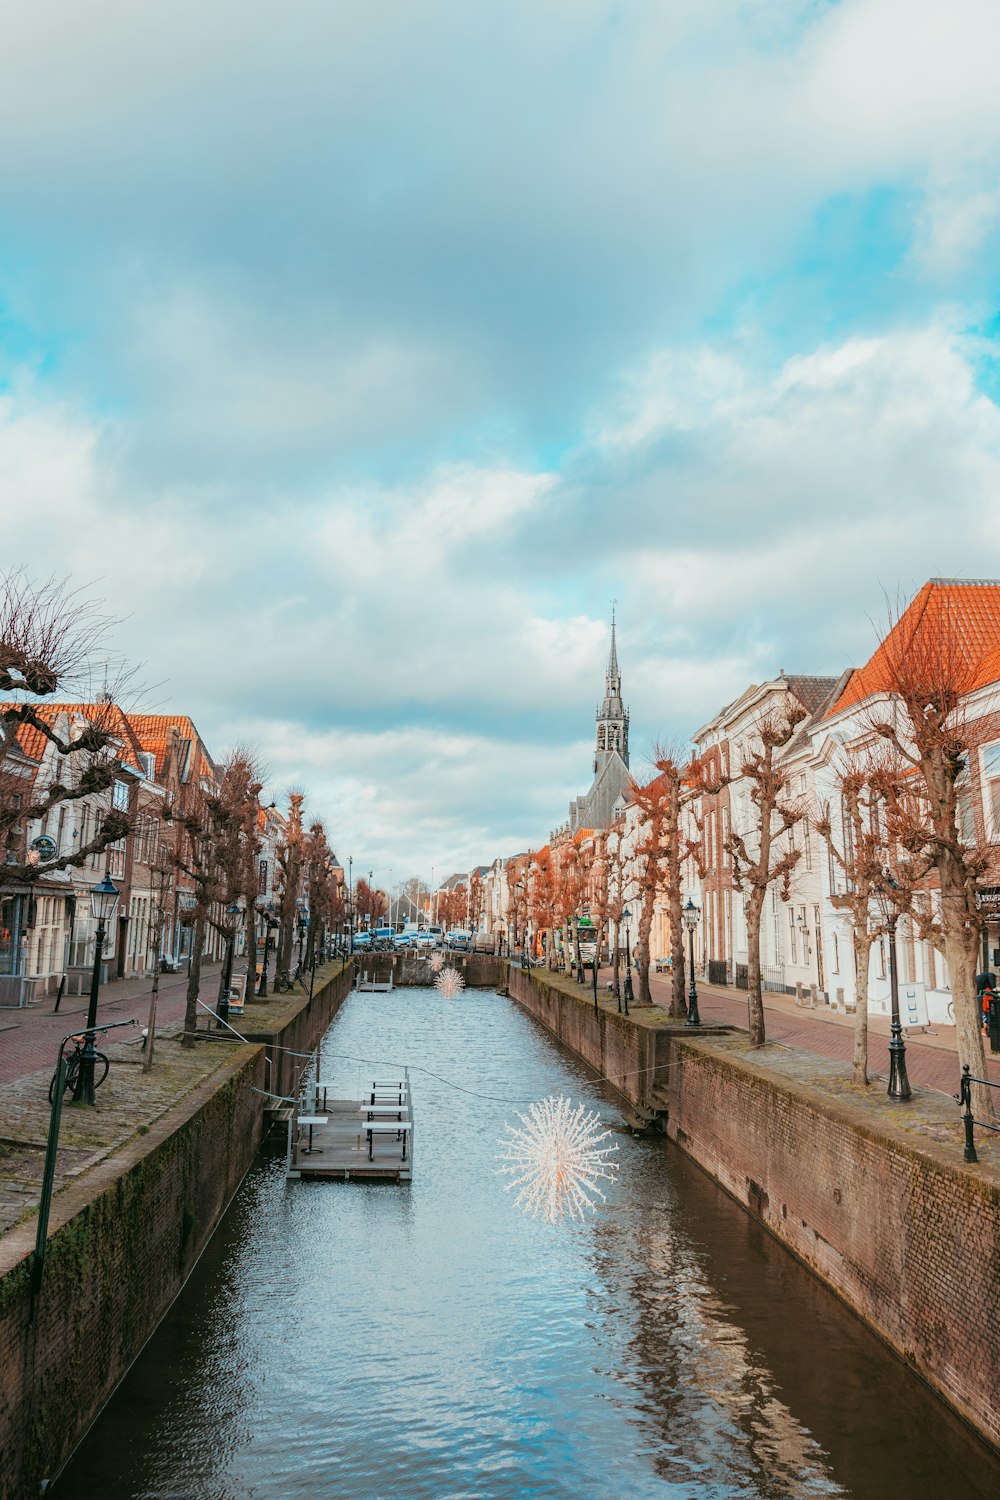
(122, 1242)
(481, 971)
(633, 1058)
(891, 1219)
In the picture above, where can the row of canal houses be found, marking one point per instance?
(46, 927)
(806, 940)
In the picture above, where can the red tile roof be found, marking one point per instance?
(962, 613)
(155, 731)
(33, 742)
(987, 670)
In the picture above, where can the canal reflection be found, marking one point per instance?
(429, 1342)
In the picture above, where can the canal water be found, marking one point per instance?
(430, 1342)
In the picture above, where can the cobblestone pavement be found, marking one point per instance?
(128, 1102)
(30, 1038)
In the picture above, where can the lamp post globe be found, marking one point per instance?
(692, 916)
(103, 905)
(626, 918)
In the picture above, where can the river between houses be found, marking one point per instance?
(429, 1342)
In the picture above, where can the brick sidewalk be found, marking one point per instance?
(931, 1058)
(29, 1038)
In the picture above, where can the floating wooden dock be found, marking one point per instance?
(367, 1139)
(372, 985)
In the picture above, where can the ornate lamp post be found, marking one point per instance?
(222, 1009)
(692, 916)
(269, 924)
(899, 1084)
(103, 904)
(626, 916)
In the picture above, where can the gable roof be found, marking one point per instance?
(154, 733)
(109, 715)
(965, 611)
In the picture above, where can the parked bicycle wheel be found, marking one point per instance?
(72, 1072)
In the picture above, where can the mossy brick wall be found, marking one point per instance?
(122, 1242)
(633, 1058)
(288, 1045)
(905, 1234)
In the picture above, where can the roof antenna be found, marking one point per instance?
(106, 689)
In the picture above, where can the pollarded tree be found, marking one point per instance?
(928, 668)
(290, 862)
(676, 786)
(651, 802)
(763, 854)
(50, 637)
(858, 850)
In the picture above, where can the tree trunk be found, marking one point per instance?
(862, 961)
(642, 945)
(147, 1061)
(755, 1003)
(678, 997)
(194, 981)
(251, 945)
(285, 947)
(962, 956)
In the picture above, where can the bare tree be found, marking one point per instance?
(928, 668)
(860, 854)
(763, 856)
(49, 638)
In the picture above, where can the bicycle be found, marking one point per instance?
(73, 1057)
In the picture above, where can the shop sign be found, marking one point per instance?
(988, 901)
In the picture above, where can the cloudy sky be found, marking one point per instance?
(359, 352)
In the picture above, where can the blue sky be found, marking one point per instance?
(361, 353)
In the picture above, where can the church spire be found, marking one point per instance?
(612, 716)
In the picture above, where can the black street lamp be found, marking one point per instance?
(899, 1084)
(222, 1009)
(269, 923)
(103, 905)
(692, 916)
(593, 971)
(626, 915)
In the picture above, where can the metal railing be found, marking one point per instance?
(964, 1097)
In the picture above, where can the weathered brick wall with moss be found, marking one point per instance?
(633, 1056)
(122, 1242)
(899, 1226)
(289, 1032)
(877, 1202)
(124, 1239)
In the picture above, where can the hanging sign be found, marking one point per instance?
(44, 846)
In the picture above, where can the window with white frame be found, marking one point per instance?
(990, 763)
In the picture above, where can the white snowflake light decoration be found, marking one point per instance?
(437, 962)
(449, 983)
(555, 1159)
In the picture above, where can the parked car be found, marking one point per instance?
(403, 940)
(458, 940)
(362, 940)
